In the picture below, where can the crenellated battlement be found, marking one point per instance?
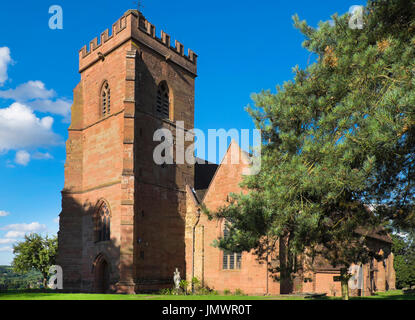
(117, 27)
(134, 25)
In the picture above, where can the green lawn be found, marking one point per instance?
(64, 296)
(392, 295)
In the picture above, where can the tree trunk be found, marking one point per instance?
(345, 284)
(45, 281)
(345, 290)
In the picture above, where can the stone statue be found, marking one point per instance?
(177, 279)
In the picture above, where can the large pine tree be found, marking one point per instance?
(338, 142)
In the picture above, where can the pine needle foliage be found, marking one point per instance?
(338, 144)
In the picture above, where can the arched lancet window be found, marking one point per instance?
(105, 99)
(163, 101)
(103, 223)
(231, 260)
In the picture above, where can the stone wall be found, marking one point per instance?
(253, 277)
(110, 158)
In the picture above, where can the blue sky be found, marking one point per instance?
(243, 47)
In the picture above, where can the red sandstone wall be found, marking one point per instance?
(94, 167)
(324, 283)
(112, 159)
(160, 197)
(252, 277)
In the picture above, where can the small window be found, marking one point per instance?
(105, 99)
(231, 260)
(163, 101)
(103, 224)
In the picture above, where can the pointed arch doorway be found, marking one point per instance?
(102, 275)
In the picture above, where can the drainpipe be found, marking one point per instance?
(267, 274)
(203, 256)
(193, 249)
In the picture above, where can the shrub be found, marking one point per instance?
(166, 292)
(239, 292)
(184, 285)
(196, 285)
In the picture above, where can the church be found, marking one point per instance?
(127, 223)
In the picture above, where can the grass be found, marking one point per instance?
(391, 295)
(71, 296)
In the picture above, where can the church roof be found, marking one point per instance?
(204, 174)
(378, 234)
(200, 194)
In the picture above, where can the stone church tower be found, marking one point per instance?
(122, 225)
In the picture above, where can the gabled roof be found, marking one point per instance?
(204, 174)
(233, 149)
(378, 234)
(200, 194)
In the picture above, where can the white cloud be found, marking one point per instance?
(7, 241)
(15, 234)
(19, 230)
(56, 220)
(9, 164)
(28, 91)
(21, 128)
(4, 213)
(32, 93)
(35, 95)
(5, 60)
(22, 157)
(60, 106)
(42, 156)
(6, 249)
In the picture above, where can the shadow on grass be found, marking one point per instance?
(393, 295)
(386, 297)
